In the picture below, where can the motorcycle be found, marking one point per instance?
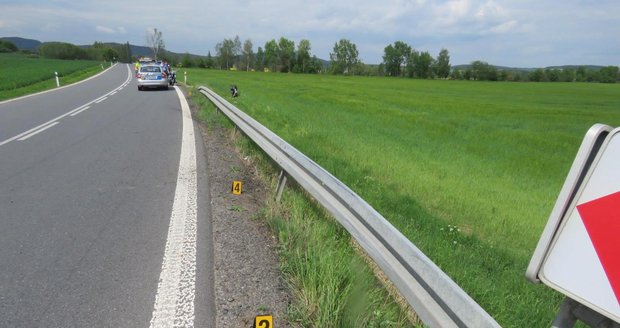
(172, 78)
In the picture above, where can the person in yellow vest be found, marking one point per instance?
(137, 66)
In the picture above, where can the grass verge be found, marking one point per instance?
(23, 75)
(468, 171)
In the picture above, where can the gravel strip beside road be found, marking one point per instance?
(247, 279)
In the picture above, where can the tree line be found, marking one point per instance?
(482, 71)
(61, 50)
(399, 60)
(276, 55)
(283, 55)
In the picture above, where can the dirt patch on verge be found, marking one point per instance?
(246, 276)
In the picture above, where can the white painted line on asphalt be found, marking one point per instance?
(101, 99)
(113, 93)
(81, 110)
(38, 131)
(174, 301)
(63, 115)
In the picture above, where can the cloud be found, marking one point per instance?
(109, 30)
(489, 30)
(105, 29)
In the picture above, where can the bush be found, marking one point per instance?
(61, 50)
(7, 46)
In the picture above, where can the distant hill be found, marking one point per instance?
(575, 67)
(530, 69)
(136, 51)
(24, 44)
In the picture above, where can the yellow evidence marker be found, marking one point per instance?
(263, 321)
(236, 187)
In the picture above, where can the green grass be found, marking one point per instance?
(22, 74)
(485, 159)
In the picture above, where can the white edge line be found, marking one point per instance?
(174, 301)
(38, 131)
(60, 88)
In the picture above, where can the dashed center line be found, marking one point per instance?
(37, 131)
(80, 110)
(100, 100)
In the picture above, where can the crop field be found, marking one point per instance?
(468, 171)
(22, 74)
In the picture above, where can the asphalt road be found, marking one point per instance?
(88, 176)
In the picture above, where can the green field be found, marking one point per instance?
(469, 171)
(22, 74)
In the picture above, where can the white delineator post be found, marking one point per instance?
(57, 80)
(185, 77)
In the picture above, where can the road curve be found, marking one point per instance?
(88, 178)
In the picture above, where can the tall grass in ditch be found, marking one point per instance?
(468, 171)
(332, 285)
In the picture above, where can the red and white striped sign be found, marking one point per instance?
(584, 260)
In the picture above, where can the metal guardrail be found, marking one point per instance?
(437, 300)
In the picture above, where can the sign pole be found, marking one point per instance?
(571, 311)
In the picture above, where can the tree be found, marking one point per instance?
(236, 50)
(423, 65)
(344, 59)
(537, 75)
(395, 57)
(110, 54)
(225, 53)
(200, 62)
(441, 66)
(248, 53)
(259, 63)
(581, 74)
(209, 63)
(568, 75)
(316, 65)
(271, 54)
(62, 50)
(411, 61)
(303, 55)
(609, 74)
(187, 61)
(7, 46)
(155, 41)
(286, 54)
(482, 71)
(553, 75)
(124, 53)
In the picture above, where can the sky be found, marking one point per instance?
(513, 33)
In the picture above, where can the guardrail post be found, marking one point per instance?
(281, 183)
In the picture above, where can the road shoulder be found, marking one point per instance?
(246, 276)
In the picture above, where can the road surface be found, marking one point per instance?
(104, 211)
